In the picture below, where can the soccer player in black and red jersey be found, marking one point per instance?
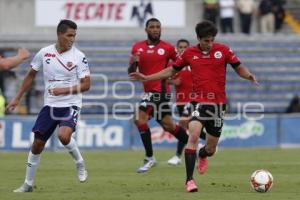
(208, 62)
(182, 81)
(151, 56)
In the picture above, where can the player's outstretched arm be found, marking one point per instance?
(163, 74)
(85, 84)
(243, 72)
(174, 81)
(11, 62)
(30, 76)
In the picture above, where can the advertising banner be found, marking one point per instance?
(90, 134)
(160, 138)
(250, 133)
(93, 134)
(18, 135)
(96, 133)
(236, 133)
(110, 13)
(290, 128)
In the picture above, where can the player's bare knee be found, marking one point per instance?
(168, 127)
(210, 150)
(193, 139)
(37, 146)
(140, 121)
(37, 150)
(184, 124)
(64, 139)
(137, 122)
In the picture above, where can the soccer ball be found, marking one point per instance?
(261, 180)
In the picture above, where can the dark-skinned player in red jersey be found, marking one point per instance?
(208, 62)
(151, 56)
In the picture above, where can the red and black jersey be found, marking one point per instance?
(208, 71)
(152, 59)
(185, 88)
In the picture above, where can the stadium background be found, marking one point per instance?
(106, 122)
(274, 58)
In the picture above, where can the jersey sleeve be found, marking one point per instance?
(231, 58)
(181, 61)
(173, 53)
(37, 61)
(83, 67)
(133, 52)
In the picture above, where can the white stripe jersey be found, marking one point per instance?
(61, 70)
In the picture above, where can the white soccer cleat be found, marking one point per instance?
(175, 160)
(148, 163)
(81, 171)
(24, 188)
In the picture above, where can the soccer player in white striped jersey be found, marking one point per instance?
(66, 76)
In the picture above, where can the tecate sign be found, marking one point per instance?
(110, 13)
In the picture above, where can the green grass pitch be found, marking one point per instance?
(112, 176)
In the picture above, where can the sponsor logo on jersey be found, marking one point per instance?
(84, 60)
(150, 51)
(49, 55)
(195, 57)
(141, 12)
(218, 54)
(48, 61)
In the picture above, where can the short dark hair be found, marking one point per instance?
(64, 25)
(183, 40)
(151, 20)
(206, 29)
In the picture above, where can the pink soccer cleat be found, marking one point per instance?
(202, 165)
(191, 186)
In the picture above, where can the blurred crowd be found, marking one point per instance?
(270, 14)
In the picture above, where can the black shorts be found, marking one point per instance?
(156, 105)
(185, 110)
(211, 116)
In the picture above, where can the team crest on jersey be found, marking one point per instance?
(69, 64)
(161, 51)
(218, 54)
